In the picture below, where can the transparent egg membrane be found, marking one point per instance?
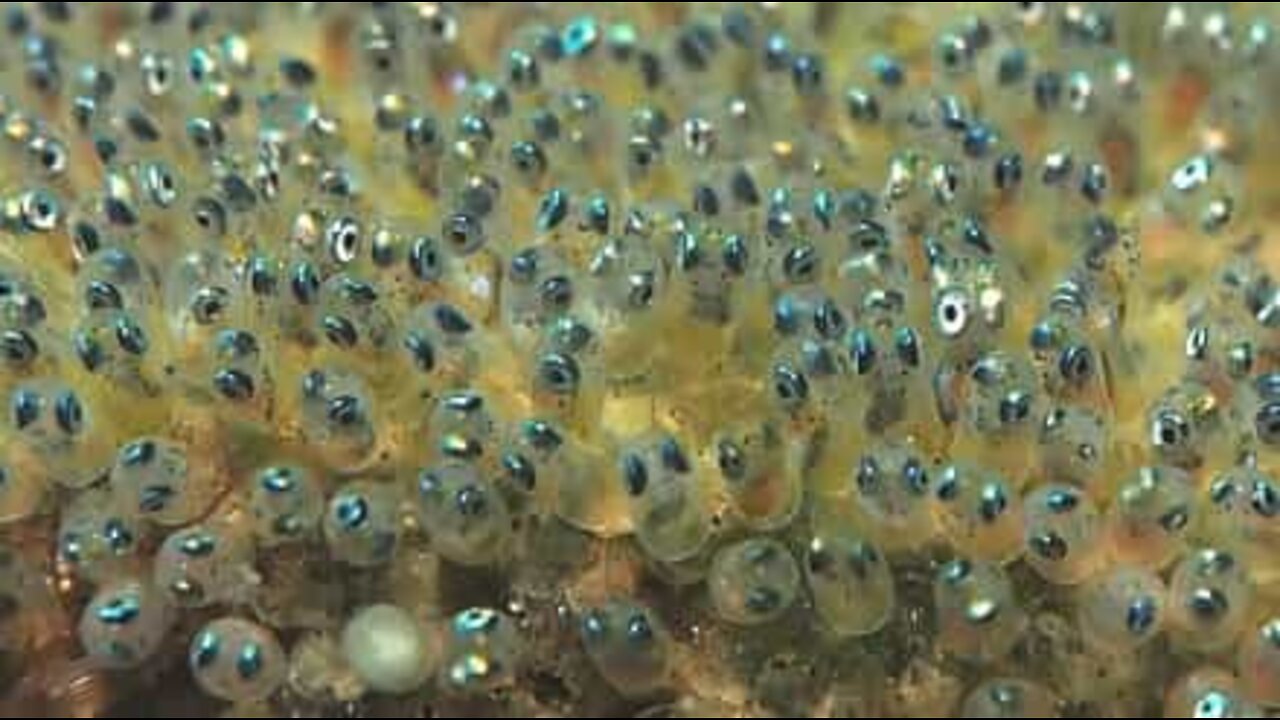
(416, 359)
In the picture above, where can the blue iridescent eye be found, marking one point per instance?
(305, 283)
(790, 385)
(862, 352)
(994, 501)
(523, 267)
(862, 106)
(197, 545)
(117, 535)
(888, 70)
(345, 410)
(463, 402)
(314, 383)
(236, 344)
(597, 215)
(208, 135)
(138, 453)
(1140, 616)
(263, 279)
(249, 661)
(237, 660)
(475, 128)
(424, 259)
(208, 304)
(673, 456)
(556, 292)
(1210, 592)
(297, 71)
(735, 254)
(542, 436)
(1208, 603)
(1267, 423)
(808, 72)
(528, 158)
(234, 384)
(469, 518)
(25, 407)
(1061, 501)
(520, 471)
(628, 645)
(69, 413)
(689, 252)
(1093, 184)
(828, 320)
(786, 315)
(480, 652)
(451, 320)
(471, 501)
(635, 474)
(119, 611)
(357, 292)
(523, 70)
(464, 232)
(1012, 66)
(777, 51)
(351, 511)
(978, 140)
(101, 295)
(18, 347)
(1007, 171)
(340, 331)
(286, 505)
(130, 336)
(205, 649)
(278, 480)
(553, 210)
(1015, 407)
(421, 133)
(559, 373)
(907, 344)
(421, 351)
(1267, 386)
(800, 264)
(124, 625)
(915, 476)
(580, 36)
(731, 459)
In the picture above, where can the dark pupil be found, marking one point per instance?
(1267, 422)
(1173, 430)
(635, 474)
(732, 464)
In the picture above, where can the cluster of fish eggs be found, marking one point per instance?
(675, 359)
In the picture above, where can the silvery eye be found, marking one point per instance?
(951, 314)
(343, 239)
(157, 74)
(1192, 174)
(160, 185)
(39, 210)
(50, 153)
